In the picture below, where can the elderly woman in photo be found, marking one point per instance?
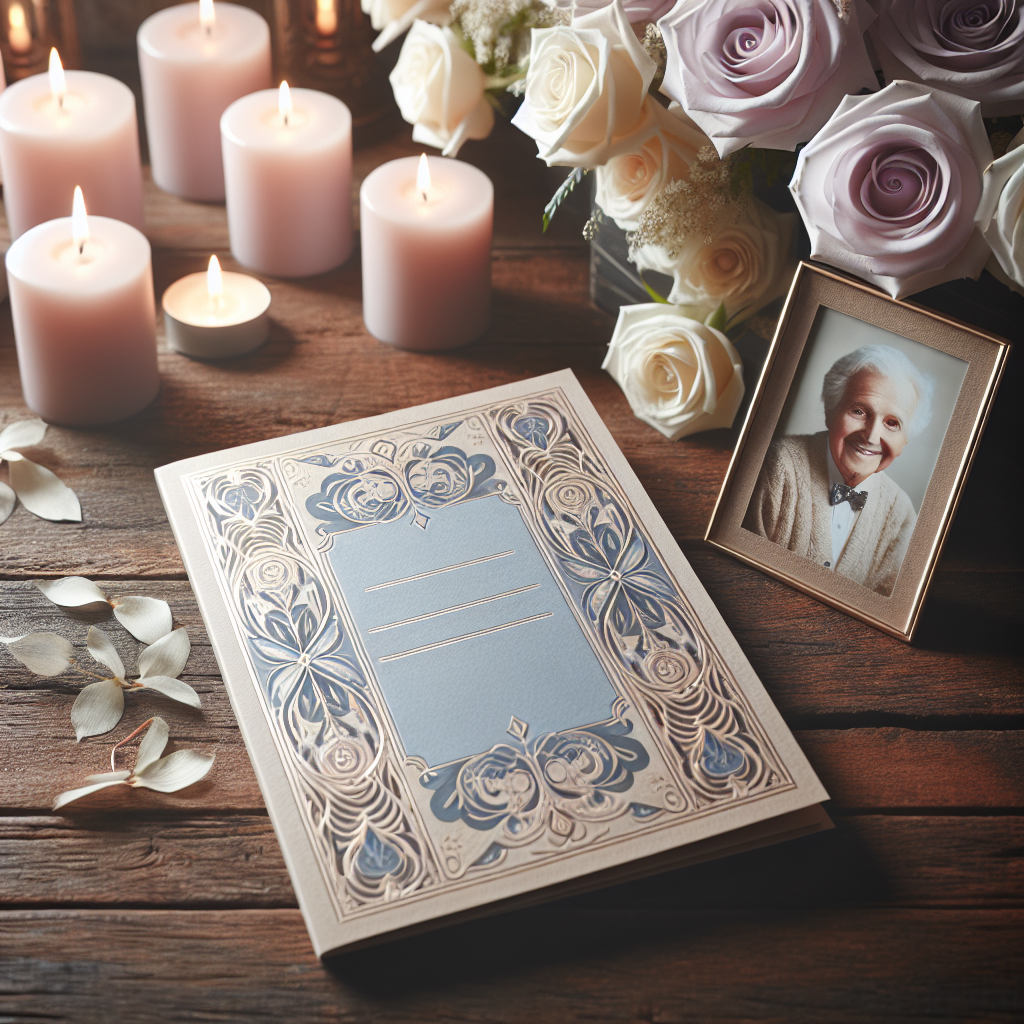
(826, 496)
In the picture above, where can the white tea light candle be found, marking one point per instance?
(216, 314)
(84, 318)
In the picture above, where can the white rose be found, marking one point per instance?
(1001, 214)
(586, 90)
(678, 375)
(627, 183)
(748, 264)
(439, 89)
(393, 17)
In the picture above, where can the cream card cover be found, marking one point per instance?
(470, 664)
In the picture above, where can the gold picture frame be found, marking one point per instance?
(810, 331)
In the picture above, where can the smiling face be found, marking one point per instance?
(868, 429)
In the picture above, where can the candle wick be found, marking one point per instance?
(81, 248)
(208, 29)
(424, 194)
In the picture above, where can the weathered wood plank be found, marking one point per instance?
(571, 961)
(216, 861)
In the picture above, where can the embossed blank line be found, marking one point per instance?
(465, 636)
(435, 572)
(454, 608)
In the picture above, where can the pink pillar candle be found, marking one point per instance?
(84, 322)
(426, 261)
(47, 147)
(191, 74)
(288, 177)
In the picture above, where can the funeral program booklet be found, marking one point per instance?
(471, 666)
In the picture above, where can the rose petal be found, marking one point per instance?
(43, 493)
(24, 434)
(110, 779)
(174, 772)
(46, 654)
(7, 501)
(71, 592)
(103, 651)
(152, 745)
(173, 688)
(97, 709)
(146, 618)
(167, 657)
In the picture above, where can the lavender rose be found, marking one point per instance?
(637, 11)
(766, 73)
(974, 48)
(890, 186)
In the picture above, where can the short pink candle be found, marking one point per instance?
(288, 174)
(426, 251)
(194, 65)
(50, 143)
(84, 321)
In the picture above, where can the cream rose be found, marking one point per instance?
(1001, 214)
(764, 72)
(627, 183)
(393, 17)
(439, 89)
(586, 90)
(678, 375)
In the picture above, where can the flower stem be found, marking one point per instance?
(145, 725)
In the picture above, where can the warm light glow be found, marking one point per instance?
(423, 177)
(214, 280)
(326, 17)
(58, 85)
(206, 15)
(79, 221)
(284, 102)
(18, 34)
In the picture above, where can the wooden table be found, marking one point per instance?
(142, 907)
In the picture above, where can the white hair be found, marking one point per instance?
(887, 362)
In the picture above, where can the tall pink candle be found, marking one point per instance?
(191, 73)
(84, 321)
(426, 253)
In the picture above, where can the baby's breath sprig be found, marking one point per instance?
(497, 33)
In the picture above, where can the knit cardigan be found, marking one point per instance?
(790, 507)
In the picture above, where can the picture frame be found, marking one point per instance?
(919, 427)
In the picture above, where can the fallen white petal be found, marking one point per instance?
(167, 657)
(175, 771)
(43, 493)
(103, 651)
(46, 654)
(7, 500)
(152, 745)
(173, 688)
(97, 709)
(71, 592)
(22, 435)
(109, 779)
(146, 618)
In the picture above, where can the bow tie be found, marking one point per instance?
(841, 493)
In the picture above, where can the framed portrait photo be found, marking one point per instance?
(856, 447)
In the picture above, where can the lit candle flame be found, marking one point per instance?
(423, 177)
(214, 280)
(18, 34)
(207, 17)
(58, 84)
(284, 102)
(326, 17)
(79, 221)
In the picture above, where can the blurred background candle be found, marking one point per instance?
(426, 228)
(29, 29)
(84, 319)
(196, 60)
(60, 130)
(288, 173)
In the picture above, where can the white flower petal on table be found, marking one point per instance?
(98, 782)
(174, 772)
(97, 709)
(24, 434)
(173, 688)
(46, 654)
(146, 618)
(43, 493)
(71, 592)
(103, 651)
(7, 501)
(152, 745)
(167, 657)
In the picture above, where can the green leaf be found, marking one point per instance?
(650, 291)
(718, 319)
(560, 196)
